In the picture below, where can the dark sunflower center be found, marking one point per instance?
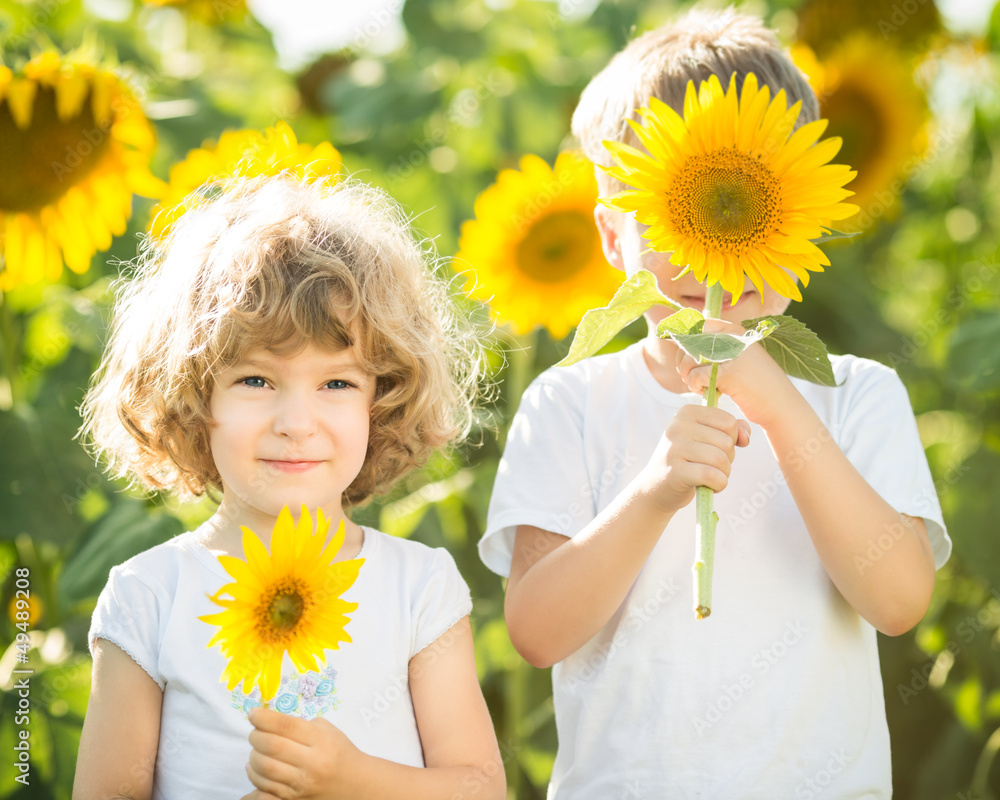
(860, 121)
(558, 246)
(41, 162)
(279, 613)
(285, 611)
(725, 199)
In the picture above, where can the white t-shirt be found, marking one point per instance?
(408, 595)
(778, 692)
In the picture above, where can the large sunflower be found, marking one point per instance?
(534, 250)
(868, 95)
(245, 153)
(288, 601)
(74, 148)
(730, 190)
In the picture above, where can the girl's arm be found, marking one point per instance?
(297, 760)
(121, 731)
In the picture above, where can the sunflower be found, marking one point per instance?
(76, 147)
(868, 95)
(910, 26)
(245, 153)
(533, 248)
(730, 190)
(288, 601)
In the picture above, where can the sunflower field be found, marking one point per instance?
(112, 110)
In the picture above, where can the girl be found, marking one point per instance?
(286, 345)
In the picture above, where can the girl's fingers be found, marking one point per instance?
(271, 776)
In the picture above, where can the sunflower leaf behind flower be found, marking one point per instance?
(288, 601)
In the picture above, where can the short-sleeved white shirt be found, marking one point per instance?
(408, 595)
(777, 693)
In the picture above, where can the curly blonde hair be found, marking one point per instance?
(660, 63)
(276, 263)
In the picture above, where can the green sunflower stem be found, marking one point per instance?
(704, 558)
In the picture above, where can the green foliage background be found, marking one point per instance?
(473, 87)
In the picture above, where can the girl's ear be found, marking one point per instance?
(609, 225)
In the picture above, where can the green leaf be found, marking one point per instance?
(798, 351)
(128, 529)
(833, 235)
(715, 348)
(685, 322)
(599, 325)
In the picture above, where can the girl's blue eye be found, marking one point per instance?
(254, 382)
(338, 384)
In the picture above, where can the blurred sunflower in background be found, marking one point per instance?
(76, 146)
(245, 153)
(867, 92)
(903, 26)
(533, 252)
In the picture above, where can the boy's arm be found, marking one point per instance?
(846, 518)
(562, 591)
(294, 758)
(121, 731)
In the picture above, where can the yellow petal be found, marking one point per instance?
(21, 101)
(71, 91)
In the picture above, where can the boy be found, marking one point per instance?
(829, 525)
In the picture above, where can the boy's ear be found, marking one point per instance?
(609, 225)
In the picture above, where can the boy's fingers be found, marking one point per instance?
(743, 438)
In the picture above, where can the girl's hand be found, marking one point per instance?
(293, 759)
(754, 380)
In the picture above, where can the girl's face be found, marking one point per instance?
(289, 430)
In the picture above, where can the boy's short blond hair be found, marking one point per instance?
(276, 263)
(660, 64)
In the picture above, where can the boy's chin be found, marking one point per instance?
(747, 306)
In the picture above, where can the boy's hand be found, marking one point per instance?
(753, 380)
(293, 759)
(697, 449)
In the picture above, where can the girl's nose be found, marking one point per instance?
(294, 417)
